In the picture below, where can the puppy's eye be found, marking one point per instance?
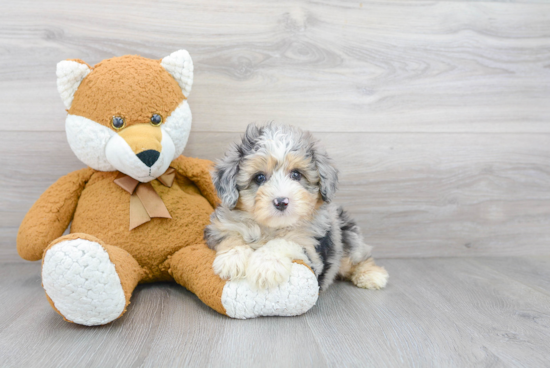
(295, 175)
(259, 179)
(117, 122)
(156, 119)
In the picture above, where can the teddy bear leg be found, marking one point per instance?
(86, 281)
(191, 267)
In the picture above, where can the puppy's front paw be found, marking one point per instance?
(231, 264)
(267, 269)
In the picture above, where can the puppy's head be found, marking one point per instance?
(279, 174)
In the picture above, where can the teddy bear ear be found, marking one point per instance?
(180, 66)
(69, 75)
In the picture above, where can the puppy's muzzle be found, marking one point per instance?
(280, 203)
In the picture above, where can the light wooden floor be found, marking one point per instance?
(439, 312)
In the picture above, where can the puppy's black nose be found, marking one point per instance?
(280, 203)
(149, 157)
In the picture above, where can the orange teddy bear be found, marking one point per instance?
(138, 212)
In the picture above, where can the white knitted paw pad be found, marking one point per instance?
(82, 282)
(180, 66)
(292, 298)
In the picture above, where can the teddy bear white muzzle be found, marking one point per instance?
(103, 149)
(144, 166)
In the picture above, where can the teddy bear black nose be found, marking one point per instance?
(149, 157)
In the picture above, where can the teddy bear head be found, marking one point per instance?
(128, 113)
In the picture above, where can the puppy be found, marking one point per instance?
(276, 189)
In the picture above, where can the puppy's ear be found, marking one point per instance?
(226, 170)
(328, 174)
(250, 138)
(225, 178)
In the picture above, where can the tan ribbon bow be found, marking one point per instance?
(145, 203)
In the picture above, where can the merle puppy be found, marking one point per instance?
(276, 189)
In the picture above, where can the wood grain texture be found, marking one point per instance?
(370, 66)
(414, 195)
(436, 112)
(530, 271)
(435, 313)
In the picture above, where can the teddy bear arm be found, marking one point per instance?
(51, 214)
(198, 171)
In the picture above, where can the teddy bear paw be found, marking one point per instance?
(82, 282)
(293, 297)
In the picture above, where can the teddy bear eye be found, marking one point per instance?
(117, 122)
(156, 119)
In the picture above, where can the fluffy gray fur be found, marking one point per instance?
(327, 238)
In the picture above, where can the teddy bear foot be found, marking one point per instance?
(82, 282)
(294, 297)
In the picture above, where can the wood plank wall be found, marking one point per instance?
(436, 112)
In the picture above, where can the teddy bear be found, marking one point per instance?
(137, 213)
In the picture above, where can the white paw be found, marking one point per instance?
(292, 298)
(268, 268)
(231, 264)
(373, 278)
(82, 282)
